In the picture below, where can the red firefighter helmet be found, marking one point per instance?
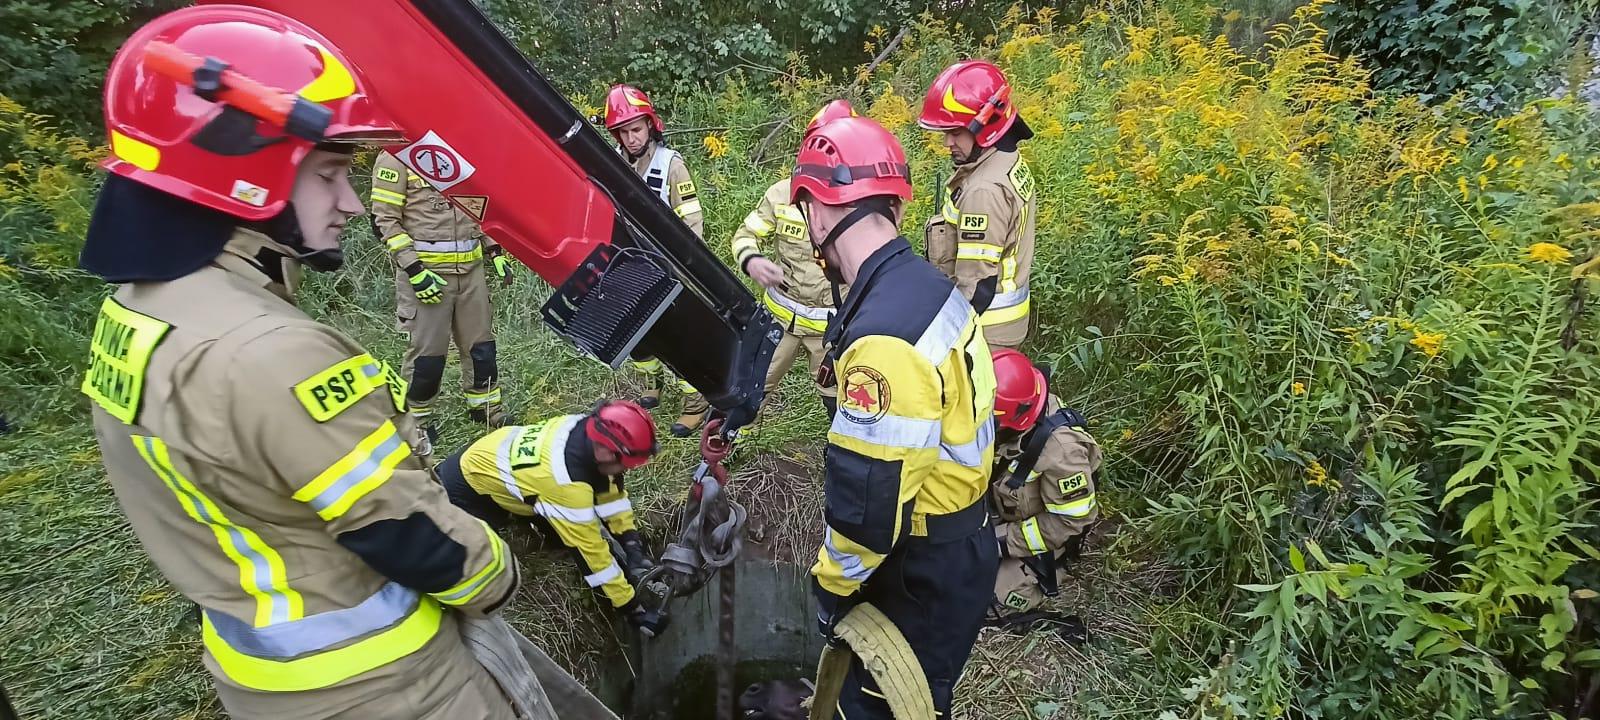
(625, 429)
(971, 94)
(626, 102)
(834, 110)
(160, 127)
(850, 159)
(1019, 390)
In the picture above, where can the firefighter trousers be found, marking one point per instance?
(937, 594)
(440, 681)
(463, 315)
(788, 351)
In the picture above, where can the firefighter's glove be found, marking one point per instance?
(502, 266)
(830, 610)
(428, 286)
(636, 559)
(649, 623)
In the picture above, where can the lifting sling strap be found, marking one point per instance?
(869, 634)
(1033, 446)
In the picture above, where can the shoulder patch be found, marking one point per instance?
(388, 175)
(973, 236)
(1077, 484)
(685, 189)
(864, 395)
(1022, 179)
(119, 354)
(525, 451)
(976, 222)
(334, 390)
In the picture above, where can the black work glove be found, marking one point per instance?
(649, 623)
(830, 610)
(636, 559)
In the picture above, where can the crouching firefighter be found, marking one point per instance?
(265, 460)
(441, 292)
(1044, 474)
(800, 298)
(565, 475)
(906, 568)
(637, 128)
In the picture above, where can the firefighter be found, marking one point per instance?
(637, 128)
(565, 474)
(910, 448)
(982, 235)
(1044, 488)
(441, 292)
(263, 459)
(800, 298)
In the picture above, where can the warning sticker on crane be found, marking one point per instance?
(437, 162)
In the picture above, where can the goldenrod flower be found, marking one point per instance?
(1429, 343)
(1316, 475)
(715, 146)
(1550, 253)
(1298, 388)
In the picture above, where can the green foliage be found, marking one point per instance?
(1497, 52)
(55, 53)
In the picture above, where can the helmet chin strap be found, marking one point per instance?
(866, 208)
(284, 229)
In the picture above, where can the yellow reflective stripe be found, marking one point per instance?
(1000, 316)
(464, 591)
(325, 668)
(450, 258)
(744, 247)
(787, 317)
(949, 212)
(688, 208)
(1030, 533)
(388, 196)
(398, 242)
(261, 569)
(757, 224)
(479, 399)
(981, 252)
(1008, 274)
(1077, 508)
(843, 564)
(360, 472)
(648, 367)
(685, 387)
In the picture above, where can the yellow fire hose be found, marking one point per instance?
(867, 633)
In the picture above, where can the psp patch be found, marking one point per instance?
(864, 395)
(685, 189)
(976, 222)
(1077, 484)
(389, 175)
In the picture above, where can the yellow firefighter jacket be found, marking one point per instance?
(983, 238)
(663, 170)
(265, 463)
(1056, 500)
(913, 441)
(419, 225)
(805, 302)
(547, 470)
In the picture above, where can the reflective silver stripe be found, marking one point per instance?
(805, 311)
(944, 332)
(613, 508)
(660, 163)
(612, 572)
(1009, 299)
(1077, 508)
(571, 515)
(377, 461)
(502, 462)
(854, 569)
(970, 454)
(557, 448)
(887, 431)
(445, 246)
(314, 633)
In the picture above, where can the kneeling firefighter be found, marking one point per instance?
(265, 460)
(565, 474)
(904, 575)
(1043, 486)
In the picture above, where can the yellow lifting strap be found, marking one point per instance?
(867, 633)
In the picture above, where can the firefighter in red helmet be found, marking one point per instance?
(797, 294)
(909, 452)
(632, 120)
(982, 234)
(1044, 483)
(265, 460)
(566, 476)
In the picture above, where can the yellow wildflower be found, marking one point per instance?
(715, 146)
(1127, 434)
(1107, 65)
(1189, 183)
(1550, 253)
(1461, 182)
(1483, 181)
(1298, 388)
(1316, 475)
(1564, 161)
(591, 110)
(1490, 163)
(890, 110)
(1167, 280)
(1429, 343)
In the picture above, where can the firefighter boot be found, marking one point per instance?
(650, 399)
(695, 408)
